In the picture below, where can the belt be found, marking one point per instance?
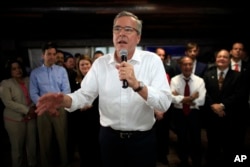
(180, 109)
(127, 134)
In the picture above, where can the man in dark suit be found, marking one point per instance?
(193, 50)
(242, 116)
(221, 106)
(169, 64)
(237, 53)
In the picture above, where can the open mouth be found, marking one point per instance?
(122, 42)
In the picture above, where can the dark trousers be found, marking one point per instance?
(128, 149)
(162, 128)
(188, 130)
(84, 129)
(222, 148)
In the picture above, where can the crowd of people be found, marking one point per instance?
(77, 106)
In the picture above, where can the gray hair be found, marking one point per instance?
(126, 13)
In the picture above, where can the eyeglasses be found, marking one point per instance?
(127, 30)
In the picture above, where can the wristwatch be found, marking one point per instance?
(141, 85)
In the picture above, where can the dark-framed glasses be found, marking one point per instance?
(127, 29)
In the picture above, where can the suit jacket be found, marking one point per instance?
(169, 70)
(243, 67)
(14, 99)
(244, 93)
(244, 88)
(172, 69)
(200, 69)
(228, 95)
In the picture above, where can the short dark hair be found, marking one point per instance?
(191, 45)
(8, 67)
(67, 55)
(98, 52)
(77, 55)
(49, 45)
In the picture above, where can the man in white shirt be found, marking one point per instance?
(126, 114)
(236, 54)
(188, 122)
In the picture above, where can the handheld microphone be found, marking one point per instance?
(124, 54)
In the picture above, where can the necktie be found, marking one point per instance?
(220, 80)
(186, 107)
(236, 67)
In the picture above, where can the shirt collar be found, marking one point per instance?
(46, 67)
(233, 62)
(224, 71)
(136, 57)
(190, 77)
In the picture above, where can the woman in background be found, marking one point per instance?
(19, 115)
(86, 122)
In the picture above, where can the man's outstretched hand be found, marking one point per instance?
(50, 102)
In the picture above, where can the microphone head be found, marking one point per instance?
(123, 52)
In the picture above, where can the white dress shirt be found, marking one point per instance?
(224, 72)
(233, 63)
(194, 65)
(196, 84)
(124, 109)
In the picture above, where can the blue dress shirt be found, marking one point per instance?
(45, 79)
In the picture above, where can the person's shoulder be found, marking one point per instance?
(176, 77)
(35, 70)
(144, 54)
(202, 64)
(210, 71)
(197, 78)
(233, 75)
(6, 82)
(103, 59)
(59, 68)
(245, 65)
(236, 73)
